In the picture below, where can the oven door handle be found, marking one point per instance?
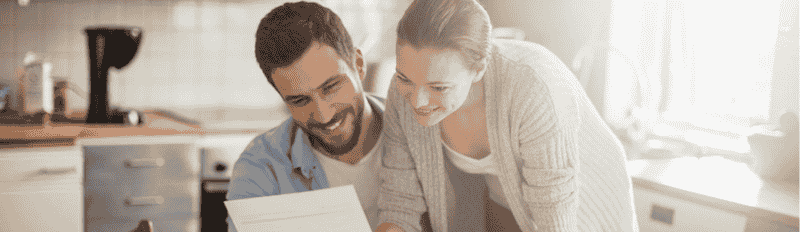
(215, 187)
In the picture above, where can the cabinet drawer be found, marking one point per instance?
(163, 201)
(158, 225)
(141, 164)
(40, 164)
(658, 212)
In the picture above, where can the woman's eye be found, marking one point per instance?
(403, 79)
(439, 88)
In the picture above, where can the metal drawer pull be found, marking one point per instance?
(137, 201)
(144, 163)
(212, 187)
(57, 171)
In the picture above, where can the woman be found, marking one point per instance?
(485, 135)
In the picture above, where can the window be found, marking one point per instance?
(702, 72)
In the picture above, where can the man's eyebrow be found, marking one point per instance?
(429, 83)
(327, 82)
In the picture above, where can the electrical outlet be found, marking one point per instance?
(662, 214)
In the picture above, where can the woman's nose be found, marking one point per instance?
(419, 98)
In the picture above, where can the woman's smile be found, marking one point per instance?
(425, 112)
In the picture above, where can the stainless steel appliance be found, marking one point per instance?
(153, 178)
(218, 155)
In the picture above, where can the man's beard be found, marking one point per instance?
(335, 151)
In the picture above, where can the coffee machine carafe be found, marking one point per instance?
(109, 46)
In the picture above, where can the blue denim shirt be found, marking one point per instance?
(265, 167)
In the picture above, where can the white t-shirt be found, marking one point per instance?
(484, 166)
(467, 209)
(363, 176)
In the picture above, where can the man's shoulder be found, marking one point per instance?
(269, 145)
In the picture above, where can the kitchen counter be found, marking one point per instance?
(67, 134)
(720, 183)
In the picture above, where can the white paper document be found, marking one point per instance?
(331, 209)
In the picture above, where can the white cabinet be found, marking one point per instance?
(41, 189)
(658, 212)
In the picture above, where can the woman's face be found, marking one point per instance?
(435, 82)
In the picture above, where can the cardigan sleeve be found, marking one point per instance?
(547, 148)
(401, 200)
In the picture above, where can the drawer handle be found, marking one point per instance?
(212, 187)
(145, 163)
(57, 171)
(138, 201)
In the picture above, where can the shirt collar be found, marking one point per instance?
(301, 153)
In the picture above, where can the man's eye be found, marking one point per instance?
(331, 86)
(299, 102)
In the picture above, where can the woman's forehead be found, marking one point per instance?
(430, 64)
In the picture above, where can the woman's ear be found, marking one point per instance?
(481, 69)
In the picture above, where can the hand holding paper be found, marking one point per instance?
(331, 209)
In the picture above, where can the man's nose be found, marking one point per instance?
(323, 112)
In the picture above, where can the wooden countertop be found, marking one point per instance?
(66, 134)
(720, 183)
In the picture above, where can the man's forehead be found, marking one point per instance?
(318, 64)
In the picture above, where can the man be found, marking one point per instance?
(332, 137)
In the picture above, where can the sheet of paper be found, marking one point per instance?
(331, 209)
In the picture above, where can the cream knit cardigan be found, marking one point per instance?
(561, 167)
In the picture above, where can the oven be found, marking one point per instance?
(218, 154)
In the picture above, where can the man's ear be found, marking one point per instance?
(361, 68)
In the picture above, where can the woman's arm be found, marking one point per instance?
(548, 150)
(401, 200)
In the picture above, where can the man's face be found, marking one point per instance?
(324, 96)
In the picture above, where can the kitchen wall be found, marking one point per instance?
(566, 27)
(563, 26)
(194, 54)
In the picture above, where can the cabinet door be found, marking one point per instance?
(43, 208)
(658, 212)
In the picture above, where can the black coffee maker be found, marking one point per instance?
(109, 46)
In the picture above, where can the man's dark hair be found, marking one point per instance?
(287, 31)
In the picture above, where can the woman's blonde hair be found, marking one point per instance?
(462, 25)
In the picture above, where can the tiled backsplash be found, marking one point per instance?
(194, 54)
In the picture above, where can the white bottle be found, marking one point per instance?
(38, 85)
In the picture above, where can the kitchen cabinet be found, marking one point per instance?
(658, 212)
(41, 189)
(155, 178)
(710, 194)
